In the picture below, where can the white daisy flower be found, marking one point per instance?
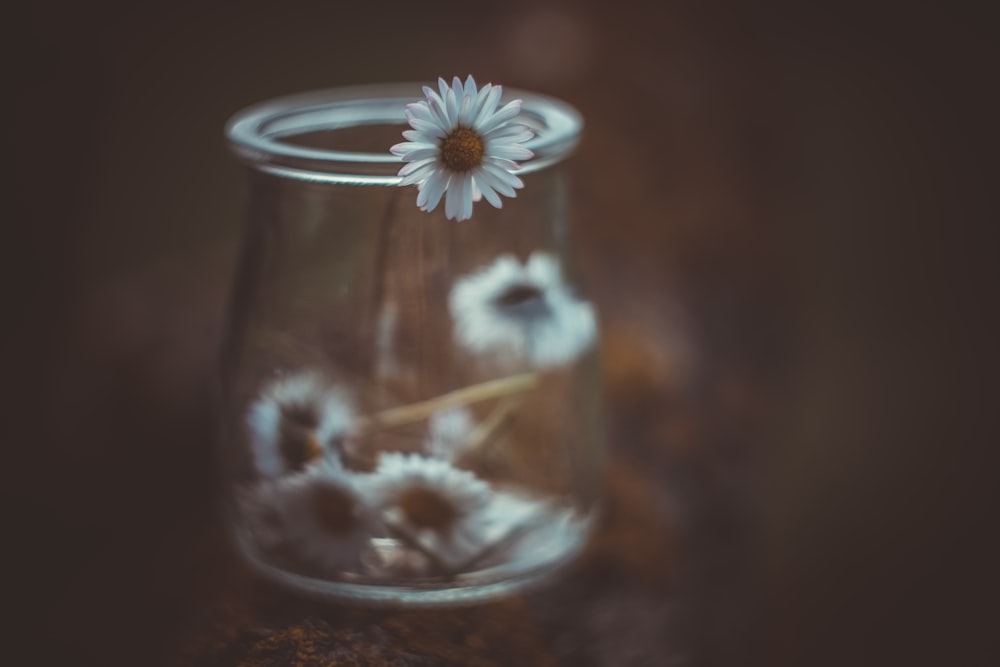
(449, 432)
(325, 516)
(522, 311)
(523, 530)
(294, 423)
(432, 503)
(463, 145)
(530, 531)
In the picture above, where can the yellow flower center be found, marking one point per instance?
(334, 509)
(462, 150)
(426, 508)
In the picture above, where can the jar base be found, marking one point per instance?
(469, 589)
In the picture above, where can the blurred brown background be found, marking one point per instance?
(783, 215)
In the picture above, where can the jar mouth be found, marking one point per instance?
(333, 136)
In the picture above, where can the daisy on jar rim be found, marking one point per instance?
(463, 147)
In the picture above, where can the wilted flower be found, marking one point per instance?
(524, 311)
(463, 145)
(322, 515)
(530, 531)
(294, 422)
(433, 503)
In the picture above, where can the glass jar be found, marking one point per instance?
(411, 404)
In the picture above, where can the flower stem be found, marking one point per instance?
(407, 414)
(400, 532)
(501, 543)
(486, 433)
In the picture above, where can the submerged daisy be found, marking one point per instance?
(322, 516)
(432, 503)
(523, 311)
(463, 145)
(294, 423)
(530, 531)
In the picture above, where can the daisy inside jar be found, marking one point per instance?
(521, 313)
(295, 422)
(334, 510)
(433, 506)
(426, 508)
(298, 443)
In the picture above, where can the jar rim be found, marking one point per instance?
(258, 134)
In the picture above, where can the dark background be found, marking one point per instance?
(784, 208)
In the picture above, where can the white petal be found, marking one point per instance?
(419, 110)
(458, 192)
(502, 163)
(418, 154)
(476, 193)
(410, 146)
(512, 132)
(509, 152)
(432, 97)
(415, 135)
(451, 106)
(503, 175)
(489, 179)
(456, 85)
(489, 107)
(418, 175)
(465, 112)
(437, 107)
(480, 100)
(470, 86)
(432, 189)
(413, 166)
(431, 129)
(451, 199)
(507, 112)
(466, 192)
(506, 176)
(487, 192)
(414, 179)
